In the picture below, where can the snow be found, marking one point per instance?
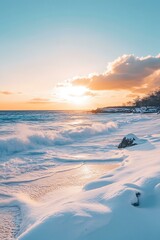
(103, 209)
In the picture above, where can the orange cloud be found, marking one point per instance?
(9, 93)
(39, 101)
(125, 73)
(6, 92)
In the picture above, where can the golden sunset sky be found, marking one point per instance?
(70, 54)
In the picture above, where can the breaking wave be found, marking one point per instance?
(26, 139)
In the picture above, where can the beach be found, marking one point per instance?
(63, 170)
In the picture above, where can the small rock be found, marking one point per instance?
(136, 203)
(128, 141)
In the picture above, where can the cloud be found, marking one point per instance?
(9, 93)
(125, 73)
(6, 93)
(39, 101)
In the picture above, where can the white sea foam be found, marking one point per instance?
(26, 139)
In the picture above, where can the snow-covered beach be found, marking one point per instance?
(63, 176)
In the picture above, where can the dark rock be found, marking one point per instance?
(136, 203)
(128, 141)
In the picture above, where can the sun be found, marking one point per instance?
(73, 94)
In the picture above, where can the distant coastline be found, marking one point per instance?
(128, 109)
(147, 104)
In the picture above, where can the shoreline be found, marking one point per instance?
(35, 192)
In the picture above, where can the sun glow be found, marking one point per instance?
(73, 94)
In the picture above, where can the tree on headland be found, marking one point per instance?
(152, 99)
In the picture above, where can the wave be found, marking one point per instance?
(89, 131)
(27, 139)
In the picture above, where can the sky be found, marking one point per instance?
(77, 54)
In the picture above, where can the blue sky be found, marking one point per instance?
(44, 42)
